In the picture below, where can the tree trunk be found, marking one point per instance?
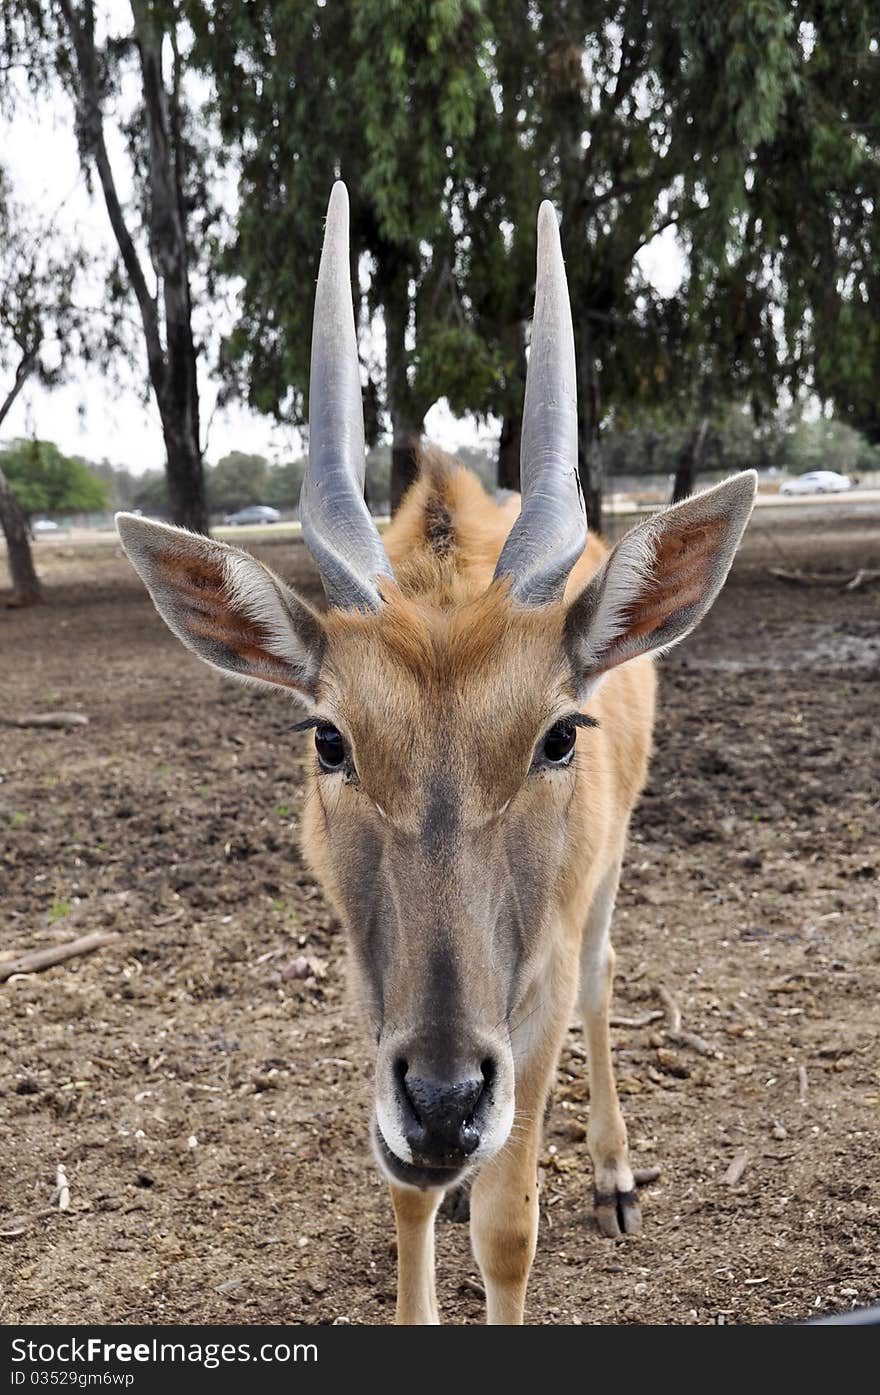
(25, 582)
(590, 467)
(510, 442)
(172, 366)
(689, 461)
(178, 393)
(185, 475)
(407, 424)
(508, 452)
(404, 459)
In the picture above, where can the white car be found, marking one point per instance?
(817, 482)
(43, 525)
(254, 513)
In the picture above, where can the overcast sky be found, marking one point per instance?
(99, 419)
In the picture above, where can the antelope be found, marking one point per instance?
(481, 689)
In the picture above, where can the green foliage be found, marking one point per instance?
(45, 481)
(449, 121)
(826, 444)
(389, 97)
(237, 480)
(747, 131)
(122, 484)
(738, 439)
(150, 494)
(457, 357)
(283, 485)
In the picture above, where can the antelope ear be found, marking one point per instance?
(226, 606)
(658, 582)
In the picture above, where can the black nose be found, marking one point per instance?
(442, 1117)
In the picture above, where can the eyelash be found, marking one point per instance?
(559, 732)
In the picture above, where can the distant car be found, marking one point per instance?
(254, 513)
(817, 482)
(43, 525)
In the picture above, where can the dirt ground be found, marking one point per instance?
(212, 1118)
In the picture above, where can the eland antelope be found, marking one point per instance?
(481, 690)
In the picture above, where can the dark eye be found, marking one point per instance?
(330, 747)
(559, 743)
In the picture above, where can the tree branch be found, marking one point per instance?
(22, 373)
(81, 29)
(168, 244)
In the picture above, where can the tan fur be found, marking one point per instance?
(450, 595)
(475, 872)
(446, 633)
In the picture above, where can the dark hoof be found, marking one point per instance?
(456, 1205)
(618, 1213)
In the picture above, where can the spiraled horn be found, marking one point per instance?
(336, 523)
(549, 535)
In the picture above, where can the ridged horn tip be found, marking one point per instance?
(549, 535)
(337, 527)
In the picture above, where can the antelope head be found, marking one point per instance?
(446, 810)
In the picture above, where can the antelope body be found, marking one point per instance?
(481, 690)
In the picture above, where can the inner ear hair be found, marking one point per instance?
(226, 606)
(659, 581)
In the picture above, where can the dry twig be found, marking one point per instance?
(800, 578)
(863, 577)
(734, 1173)
(645, 1175)
(35, 960)
(61, 1194)
(644, 1021)
(673, 1011)
(673, 1027)
(46, 719)
(803, 1084)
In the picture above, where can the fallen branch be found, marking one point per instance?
(673, 1011)
(644, 1021)
(863, 577)
(803, 1084)
(37, 959)
(47, 719)
(698, 1044)
(61, 1194)
(734, 1173)
(644, 1176)
(674, 1030)
(799, 578)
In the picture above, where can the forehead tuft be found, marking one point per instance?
(446, 641)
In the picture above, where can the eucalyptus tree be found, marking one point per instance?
(47, 481)
(390, 98)
(163, 230)
(636, 119)
(813, 211)
(41, 332)
(450, 120)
